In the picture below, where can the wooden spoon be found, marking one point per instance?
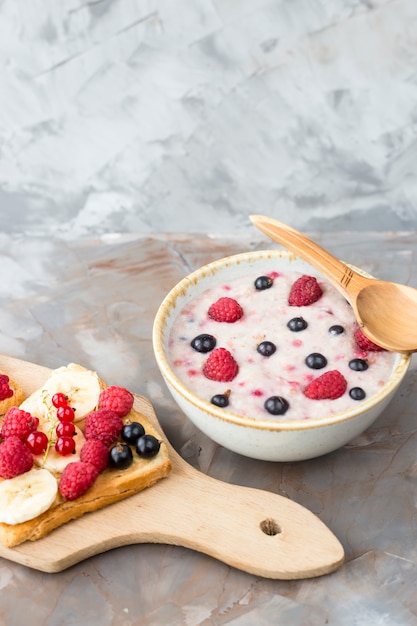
(252, 530)
(386, 312)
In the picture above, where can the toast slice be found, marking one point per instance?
(110, 486)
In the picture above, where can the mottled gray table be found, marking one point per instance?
(93, 301)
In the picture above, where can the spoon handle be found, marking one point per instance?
(337, 272)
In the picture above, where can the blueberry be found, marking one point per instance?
(316, 361)
(357, 393)
(221, 400)
(147, 446)
(120, 456)
(336, 329)
(203, 343)
(358, 365)
(276, 405)
(266, 348)
(296, 324)
(131, 432)
(263, 282)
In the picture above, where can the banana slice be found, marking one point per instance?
(82, 387)
(53, 461)
(26, 496)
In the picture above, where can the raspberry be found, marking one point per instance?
(76, 479)
(225, 310)
(220, 366)
(328, 386)
(364, 343)
(95, 452)
(104, 425)
(304, 291)
(5, 390)
(15, 457)
(117, 399)
(18, 422)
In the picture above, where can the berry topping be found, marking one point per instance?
(220, 366)
(147, 446)
(266, 348)
(263, 282)
(117, 399)
(316, 361)
(59, 399)
(225, 310)
(358, 365)
(96, 453)
(328, 386)
(18, 422)
(336, 329)
(131, 432)
(65, 414)
(65, 429)
(357, 393)
(5, 390)
(37, 442)
(76, 479)
(104, 425)
(120, 456)
(366, 344)
(304, 291)
(276, 405)
(203, 343)
(296, 324)
(65, 446)
(221, 399)
(15, 457)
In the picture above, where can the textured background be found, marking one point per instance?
(188, 115)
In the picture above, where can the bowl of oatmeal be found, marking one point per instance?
(266, 358)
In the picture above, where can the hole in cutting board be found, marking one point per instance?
(270, 527)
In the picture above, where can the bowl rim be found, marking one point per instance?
(271, 424)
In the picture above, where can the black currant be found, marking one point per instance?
(147, 446)
(131, 432)
(276, 405)
(296, 324)
(336, 329)
(221, 400)
(266, 348)
(358, 365)
(203, 343)
(120, 456)
(316, 361)
(357, 393)
(263, 282)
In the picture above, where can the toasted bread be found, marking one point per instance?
(15, 400)
(111, 486)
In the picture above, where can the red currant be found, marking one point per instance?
(59, 399)
(65, 414)
(37, 442)
(65, 429)
(65, 445)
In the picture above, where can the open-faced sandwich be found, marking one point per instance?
(72, 447)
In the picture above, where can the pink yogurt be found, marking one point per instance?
(266, 314)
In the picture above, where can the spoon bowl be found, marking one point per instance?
(386, 311)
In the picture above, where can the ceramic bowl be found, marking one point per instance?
(269, 439)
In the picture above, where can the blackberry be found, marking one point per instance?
(203, 343)
(296, 324)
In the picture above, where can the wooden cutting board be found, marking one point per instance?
(250, 529)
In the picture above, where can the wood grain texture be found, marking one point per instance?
(252, 530)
